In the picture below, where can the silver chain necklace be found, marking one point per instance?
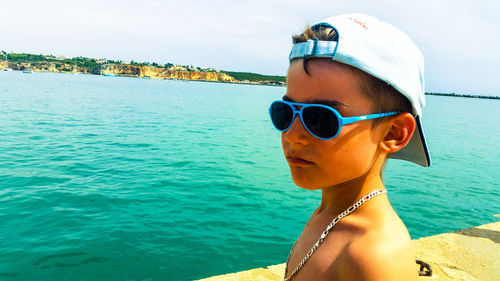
(327, 230)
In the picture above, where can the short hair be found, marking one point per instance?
(384, 96)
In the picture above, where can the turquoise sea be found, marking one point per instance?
(110, 178)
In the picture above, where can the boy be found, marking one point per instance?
(354, 97)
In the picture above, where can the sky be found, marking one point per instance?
(459, 39)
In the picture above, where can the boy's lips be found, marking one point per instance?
(297, 160)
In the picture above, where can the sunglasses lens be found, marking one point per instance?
(281, 115)
(320, 121)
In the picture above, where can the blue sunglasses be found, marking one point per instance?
(321, 121)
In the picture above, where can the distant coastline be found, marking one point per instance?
(49, 63)
(464, 96)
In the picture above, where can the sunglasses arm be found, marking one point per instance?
(349, 120)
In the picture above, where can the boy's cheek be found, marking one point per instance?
(335, 161)
(341, 165)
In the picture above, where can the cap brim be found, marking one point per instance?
(416, 150)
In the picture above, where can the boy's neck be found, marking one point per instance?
(335, 199)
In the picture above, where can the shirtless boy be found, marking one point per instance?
(351, 66)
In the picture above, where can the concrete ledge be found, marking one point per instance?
(471, 254)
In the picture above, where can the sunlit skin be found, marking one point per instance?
(372, 243)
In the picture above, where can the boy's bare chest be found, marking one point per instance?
(324, 261)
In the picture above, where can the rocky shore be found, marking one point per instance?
(131, 70)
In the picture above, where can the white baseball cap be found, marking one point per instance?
(383, 51)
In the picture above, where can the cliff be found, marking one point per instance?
(162, 73)
(45, 67)
(121, 70)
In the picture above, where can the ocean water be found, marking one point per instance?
(105, 178)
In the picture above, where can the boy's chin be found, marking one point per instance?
(306, 184)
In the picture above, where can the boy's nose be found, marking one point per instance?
(296, 133)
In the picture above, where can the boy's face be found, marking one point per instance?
(316, 163)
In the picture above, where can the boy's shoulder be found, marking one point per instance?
(378, 258)
(379, 253)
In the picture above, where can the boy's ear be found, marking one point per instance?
(401, 128)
